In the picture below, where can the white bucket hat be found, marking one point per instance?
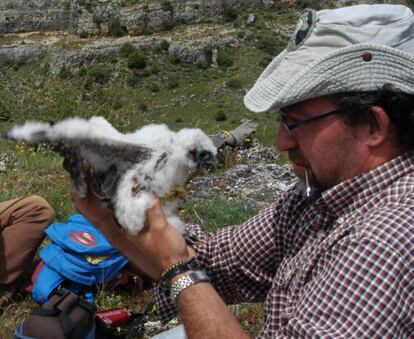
(350, 49)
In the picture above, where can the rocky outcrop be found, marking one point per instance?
(36, 15)
(63, 50)
(191, 51)
(95, 17)
(256, 177)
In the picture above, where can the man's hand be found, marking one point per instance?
(155, 248)
(161, 242)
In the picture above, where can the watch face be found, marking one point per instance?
(187, 281)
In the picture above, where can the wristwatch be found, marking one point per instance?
(186, 265)
(187, 280)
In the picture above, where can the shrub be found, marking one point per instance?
(154, 87)
(127, 3)
(202, 65)
(175, 58)
(146, 73)
(229, 13)
(134, 80)
(4, 112)
(208, 52)
(155, 69)
(82, 71)
(234, 83)
(83, 35)
(265, 61)
(270, 45)
(137, 60)
(220, 116)
(168, 26)
(87, 85)
(100, 97)
(116, 103)
(115, 28)
(127, 49)
(98, 20)
(99, 74)
(164, 44)
(241, 34)
(224, 58)
(173, 83)
(113, 59)
(308, 4)
(166, 6)
(142, 107)
(64, 73)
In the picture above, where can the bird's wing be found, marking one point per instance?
(109, 152)
(108, 159)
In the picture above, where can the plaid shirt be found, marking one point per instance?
(338, 267)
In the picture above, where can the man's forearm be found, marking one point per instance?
(205, 315)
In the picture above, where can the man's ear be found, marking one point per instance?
(378, 126)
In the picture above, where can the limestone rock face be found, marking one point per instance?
(93, 17)
(36, 15)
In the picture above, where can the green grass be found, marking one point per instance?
(215, 212)
(36, 172)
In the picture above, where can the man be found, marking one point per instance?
(334, 256)
(22, 222)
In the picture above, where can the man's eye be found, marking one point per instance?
(288, 121)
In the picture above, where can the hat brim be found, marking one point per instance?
(344, 70)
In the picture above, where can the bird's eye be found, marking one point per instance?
(204, 156)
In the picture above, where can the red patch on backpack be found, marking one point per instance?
(83, 238)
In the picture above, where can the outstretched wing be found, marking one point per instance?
(108, 152)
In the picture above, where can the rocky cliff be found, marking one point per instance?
(96, 16)
(132, 19)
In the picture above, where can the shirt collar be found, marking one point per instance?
(351, 194)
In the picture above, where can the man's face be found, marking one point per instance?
(326, 148)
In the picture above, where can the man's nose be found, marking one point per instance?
(284, 140)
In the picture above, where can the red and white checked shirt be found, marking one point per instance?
(340, 267)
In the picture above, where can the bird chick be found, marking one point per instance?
(128, 171)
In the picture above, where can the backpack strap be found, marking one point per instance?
(45, 312)
(56, 309)
(67, 324)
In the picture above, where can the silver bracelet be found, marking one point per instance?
(187, 280)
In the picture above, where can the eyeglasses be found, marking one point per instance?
(290, 127)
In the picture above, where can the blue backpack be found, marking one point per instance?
(79, 255)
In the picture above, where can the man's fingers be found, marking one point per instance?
(155, 215)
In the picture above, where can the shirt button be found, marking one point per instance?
(340, 220)
(321, 234)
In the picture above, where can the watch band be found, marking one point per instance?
(186, 281)
(188, 264)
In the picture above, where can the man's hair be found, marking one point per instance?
(398, 105)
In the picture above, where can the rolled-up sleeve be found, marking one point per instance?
(240, 260)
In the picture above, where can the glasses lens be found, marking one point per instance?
(288, 130)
